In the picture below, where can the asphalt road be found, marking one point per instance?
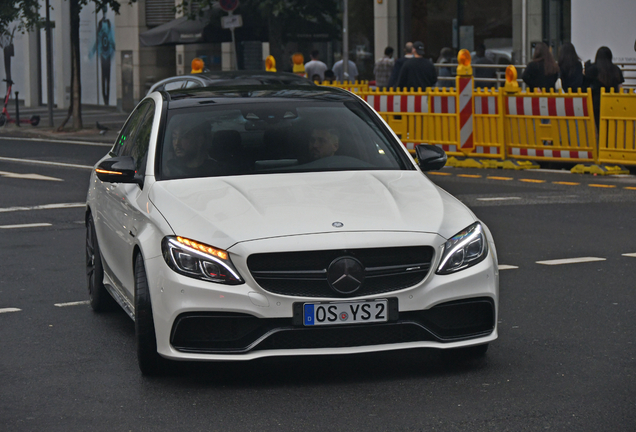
(565, 359)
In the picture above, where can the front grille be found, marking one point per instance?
(304, 274)
(225, 333)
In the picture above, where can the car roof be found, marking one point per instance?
(183, 98)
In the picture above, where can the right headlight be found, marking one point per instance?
(463, 250)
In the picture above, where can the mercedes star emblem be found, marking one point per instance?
(345, 275)
(337, 224)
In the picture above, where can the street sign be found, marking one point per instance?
(231, 21)
(228, 5)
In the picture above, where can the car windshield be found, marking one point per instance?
(265, 137)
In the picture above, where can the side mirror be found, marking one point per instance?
(119, 169)
(430, 157)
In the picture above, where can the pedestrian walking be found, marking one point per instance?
(383, 67)
(570, 68)
(483, 72)
(338, 70)
(417, 72)
(602, 74)
(397, 67)
(446, 56)
(315, 66)
(542, 72)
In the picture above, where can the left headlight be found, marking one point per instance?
(200, 261)
(463, 250)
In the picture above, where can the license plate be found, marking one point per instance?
(345, 313)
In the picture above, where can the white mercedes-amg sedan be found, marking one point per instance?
(246, 222)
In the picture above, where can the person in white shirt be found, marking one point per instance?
(315, 66)
(338, 70)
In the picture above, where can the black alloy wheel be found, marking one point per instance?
(150, 362)
(100, 298)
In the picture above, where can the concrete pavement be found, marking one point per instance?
(108, 117)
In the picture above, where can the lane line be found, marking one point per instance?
(499, 178)
(571, 261)
(6, 310)
(85, 143)
(507, 267)
(532, 181)
(498, 199)
(630, 187)
(33, 225)
(439, 173)
(28, 176)
(633, 255)
(77, 303)
(38, 162)
(566, 183)
(601, 185)
(43, 207)
(469, 175)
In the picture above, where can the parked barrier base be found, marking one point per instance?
(464, 163)
(511, 164)
(599, 169)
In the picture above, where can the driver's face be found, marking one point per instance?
(322, 144)
(184, 146)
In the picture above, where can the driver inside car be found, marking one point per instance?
(323, 143)
(190, 148)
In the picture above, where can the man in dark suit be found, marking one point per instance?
(395, 73)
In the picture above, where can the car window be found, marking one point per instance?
(174, 85)
(127, 134)
(276, 137)
(139, 147)
(192, 84)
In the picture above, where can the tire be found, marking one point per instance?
(3, 120)
(35, 120)
(150, 362)
(100, 298)
(459, 355)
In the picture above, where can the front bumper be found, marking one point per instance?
(198, 320)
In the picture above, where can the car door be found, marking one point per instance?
(117, 208)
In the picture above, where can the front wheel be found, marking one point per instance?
(100, 298)
(150, 362)
(35, 120)
(3, 120)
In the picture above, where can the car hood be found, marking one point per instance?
(223, 211)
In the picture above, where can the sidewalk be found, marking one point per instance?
(107, 116)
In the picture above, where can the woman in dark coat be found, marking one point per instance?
(602, 74)
(570, 68)
(542, 71)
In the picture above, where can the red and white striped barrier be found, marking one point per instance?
(543, 106)
(465, 101)
(550, 154)
(486, 105)
(398, 103)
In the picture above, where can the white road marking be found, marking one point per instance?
(33, 225)
(498, 199)
(86, 143)
(5, 310)
(77, 303)
(571, 261)
(43, 207)
(507, 267)
(28, 176)
(633, 255)
(31, 161)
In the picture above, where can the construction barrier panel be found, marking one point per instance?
(497, 124)
(354, 87)
(617, 134)
(550, 126)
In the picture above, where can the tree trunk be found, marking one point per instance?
(75, 109)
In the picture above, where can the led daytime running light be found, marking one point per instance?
(203, 248)
(463, 239)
